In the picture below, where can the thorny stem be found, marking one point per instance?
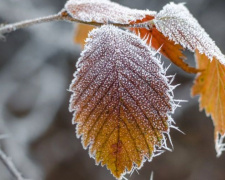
(64, 16)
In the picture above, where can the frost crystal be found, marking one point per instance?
(104, 11)
(122, 100)
(220, 145)
(177, 23)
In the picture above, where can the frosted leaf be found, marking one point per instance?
(104, 11)
(209, 84)
(121, 100)
(176, 22)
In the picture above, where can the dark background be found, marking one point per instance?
(36, 67)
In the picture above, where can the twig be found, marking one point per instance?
(64, 16)
(13, 27)
(11, 167)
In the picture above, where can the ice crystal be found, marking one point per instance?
(121, 100)
(220, 145)
(104, 11)
(176, 22)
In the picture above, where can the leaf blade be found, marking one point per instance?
(121, 100)
(210, 85)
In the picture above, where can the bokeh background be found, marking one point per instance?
(36, 67)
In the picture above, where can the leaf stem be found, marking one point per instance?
(63, 16)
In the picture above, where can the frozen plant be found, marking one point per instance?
(122, 99)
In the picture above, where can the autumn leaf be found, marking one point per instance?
(81, 33)
(121, 100)
(210, 85)
(167, 47)
(104, 11)
(177, 23)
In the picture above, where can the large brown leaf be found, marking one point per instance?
(210, 85)
(121, 100)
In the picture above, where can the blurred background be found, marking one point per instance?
(36, 68)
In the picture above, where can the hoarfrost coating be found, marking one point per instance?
(104, 11)
(176, 22)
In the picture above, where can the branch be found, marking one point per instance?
(10, 166)
(23, 24)
(64, 16)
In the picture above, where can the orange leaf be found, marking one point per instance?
(210, 85)
(121, 99)
(167, 47)
(81, 33)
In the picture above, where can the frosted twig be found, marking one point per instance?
(23, 24)
(11, 167)
(64, 16)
